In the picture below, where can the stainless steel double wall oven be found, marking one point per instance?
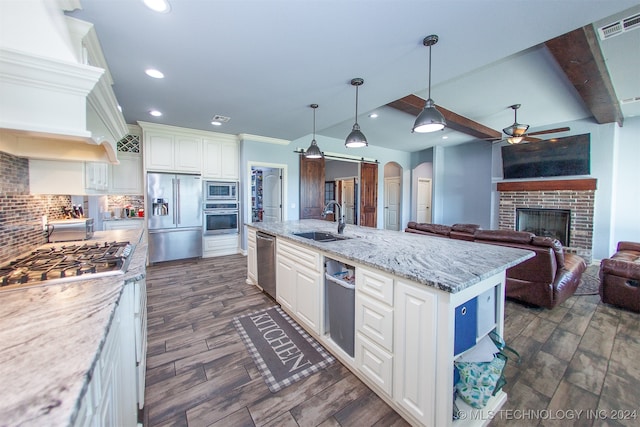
(221, 211)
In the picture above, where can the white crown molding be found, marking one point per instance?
(258, 138)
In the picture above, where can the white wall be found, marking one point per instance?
(625, 215)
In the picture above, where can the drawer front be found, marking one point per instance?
(298, 254)
(375, 363)
(375, 320)
(375, 285)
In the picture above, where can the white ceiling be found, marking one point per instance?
(263, 62)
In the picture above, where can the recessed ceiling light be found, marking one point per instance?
(155, 113)
(445, 137)
(161, 6)
(215, 123)
(152, 72)
(373, 115)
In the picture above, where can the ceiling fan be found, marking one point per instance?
(517, 132)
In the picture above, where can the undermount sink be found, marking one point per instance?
(320, 236)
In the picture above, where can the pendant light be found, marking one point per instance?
(356, 139)
(313, 152)
(429, 119)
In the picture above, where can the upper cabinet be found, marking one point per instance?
(174, 149)
(220, 158)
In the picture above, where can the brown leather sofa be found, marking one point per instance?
(545, 280)
(620, 277)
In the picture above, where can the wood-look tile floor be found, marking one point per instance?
(581, 356)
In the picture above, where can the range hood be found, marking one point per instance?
(56, 100)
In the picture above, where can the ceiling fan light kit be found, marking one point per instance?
(429, 119)
(356, 138)
(517, 132)
(313, 152)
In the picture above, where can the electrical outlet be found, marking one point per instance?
(44, 222)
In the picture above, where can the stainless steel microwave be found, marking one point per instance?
(221, 190)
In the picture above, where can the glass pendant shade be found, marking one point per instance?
(515, 139)
(313, 152)
(516, 129)
(429, 119)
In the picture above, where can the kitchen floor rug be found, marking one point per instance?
(590, 281)
(283, 352)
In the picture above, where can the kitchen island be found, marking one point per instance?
(57, 339)
(412, 297)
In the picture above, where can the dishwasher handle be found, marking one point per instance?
(263, 236)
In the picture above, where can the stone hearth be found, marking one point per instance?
(577, 196)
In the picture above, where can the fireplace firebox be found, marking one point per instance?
(554, 223)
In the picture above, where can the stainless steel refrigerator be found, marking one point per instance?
(174, 216)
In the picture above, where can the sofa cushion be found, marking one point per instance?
(554, 244)
(466, 228)
(506, 236)
(412, 224)
(434, 228)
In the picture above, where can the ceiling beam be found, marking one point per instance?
(578, 54)
(413, 104)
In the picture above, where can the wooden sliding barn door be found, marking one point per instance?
(311, 188)
(368, 194)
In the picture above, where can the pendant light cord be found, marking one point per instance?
(357, 104)
(429, 72)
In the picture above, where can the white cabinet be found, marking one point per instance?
(174, 149)
(298, 277)
(220, 245)
(374, 327)
(172, 152)
(252, 257)
(220, 158)
(414, 376)
(140, 334)
(126, 177)
(110, 399)
(123, 224)
(96, 176)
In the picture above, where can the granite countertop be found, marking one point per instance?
(52, 336)
(446, 264)
(128, 218)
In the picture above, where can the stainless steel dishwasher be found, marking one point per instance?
(266, 247)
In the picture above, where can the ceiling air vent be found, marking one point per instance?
(616, 28)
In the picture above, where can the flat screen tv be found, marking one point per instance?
(559, 157)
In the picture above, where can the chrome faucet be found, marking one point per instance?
(341, 223)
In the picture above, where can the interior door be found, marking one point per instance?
(392, 203)
(423, 201)
(311, 188)
(368, 194)
(348, 201)
(272, 195)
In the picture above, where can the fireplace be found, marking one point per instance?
(554, 223)
(576, 196)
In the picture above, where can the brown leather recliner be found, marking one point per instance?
(620, 277)
(545, 280)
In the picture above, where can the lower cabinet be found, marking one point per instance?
(299, 279)
(123, 224)
(252, 257)
(414, 377)
(223, 244)
(117, 379)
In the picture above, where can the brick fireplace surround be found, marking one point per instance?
(577, 195)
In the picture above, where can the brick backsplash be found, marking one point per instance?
(580, 203)
(21, 213)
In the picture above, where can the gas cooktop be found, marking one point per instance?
(57, 264)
